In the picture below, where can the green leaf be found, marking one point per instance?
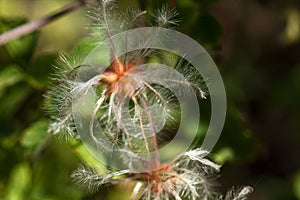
(19, 182)
(87, 157)
(40, 70)
(296, 185)
(12, 99)
(35, 134)
(223, 155)
(52, 171)
(9, 76)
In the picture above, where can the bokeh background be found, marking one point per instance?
(255, 44)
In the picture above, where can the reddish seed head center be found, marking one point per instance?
(116, 71)
(158, 177)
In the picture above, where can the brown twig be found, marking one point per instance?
(36, 24)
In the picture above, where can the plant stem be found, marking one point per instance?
(155, 162)
(36, 24)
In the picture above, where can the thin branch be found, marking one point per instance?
(36, 24)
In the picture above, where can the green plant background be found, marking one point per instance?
(256, 45)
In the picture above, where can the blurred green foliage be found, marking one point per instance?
(256, 45)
